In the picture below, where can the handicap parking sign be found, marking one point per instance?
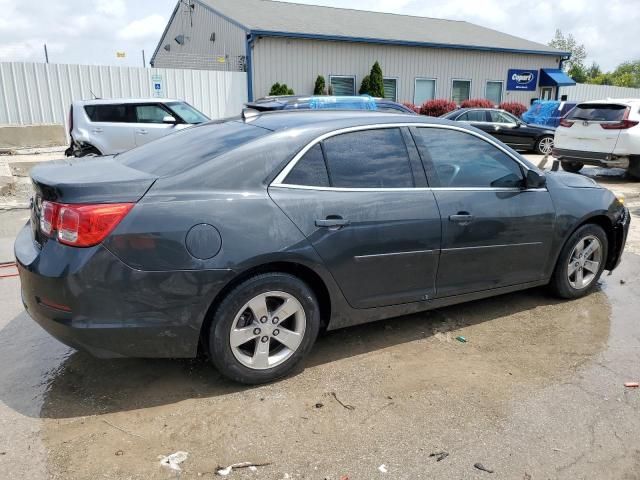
(157, 86)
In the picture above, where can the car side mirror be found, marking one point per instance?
(535, 179)
(169, 119)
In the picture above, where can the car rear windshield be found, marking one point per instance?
(190, 147)
(598, 112)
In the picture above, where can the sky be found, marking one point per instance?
(92, 31)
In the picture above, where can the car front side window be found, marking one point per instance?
(462, 160)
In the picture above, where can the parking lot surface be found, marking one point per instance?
(537, 391)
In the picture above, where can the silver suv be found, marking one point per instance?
(107, 127)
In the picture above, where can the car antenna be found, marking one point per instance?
(95, 97)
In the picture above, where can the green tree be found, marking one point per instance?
(376, 84)
(593, 71)
(320, 87)
(627, 74)
(578, 73)
(278, 90)
(365, 86)
(569, 44)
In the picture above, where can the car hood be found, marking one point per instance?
(541, 128)
(573, 180)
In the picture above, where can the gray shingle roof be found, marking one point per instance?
(298, 19)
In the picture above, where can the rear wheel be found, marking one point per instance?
(573, 167)
(634, 168)
(544, 145)
(264, 328)
(581, 262)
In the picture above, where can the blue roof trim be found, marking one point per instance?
(310, 36)
(554, 77)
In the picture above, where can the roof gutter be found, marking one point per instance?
(343, 38)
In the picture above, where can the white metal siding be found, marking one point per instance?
(583, 92)
(39, 93)
(297, 62)
(227, 52)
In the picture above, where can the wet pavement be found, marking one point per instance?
(536, 392)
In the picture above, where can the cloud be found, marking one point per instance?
(148, 27)
(112, 8)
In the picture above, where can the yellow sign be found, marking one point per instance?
(221, 59)
(120, 54)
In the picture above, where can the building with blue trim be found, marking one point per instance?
(421, 58)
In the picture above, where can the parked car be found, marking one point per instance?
(547, 113)
(274, 226)
(107, 127)
(507, 128)
(605, 133)
(328, 102)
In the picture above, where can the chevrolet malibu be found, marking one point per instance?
(243, 238)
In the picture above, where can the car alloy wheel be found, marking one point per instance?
(545, 145)
(267, 330)
(584, 262)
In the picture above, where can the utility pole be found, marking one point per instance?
(144, 62)
(46, 54)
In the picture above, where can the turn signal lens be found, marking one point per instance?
(88, 225)
(48, 217)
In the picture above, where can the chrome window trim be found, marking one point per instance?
(280, 178)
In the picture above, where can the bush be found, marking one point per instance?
(278, 90)
(413, 107)
(376, 83)
(365, 86)
(477, 103)
(437, 107)
(320, 87)
(514, 108)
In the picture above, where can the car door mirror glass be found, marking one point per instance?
(169, 119)
(535, 179)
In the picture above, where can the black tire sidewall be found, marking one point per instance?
(560, 282)
(571, 166)
(219, 346)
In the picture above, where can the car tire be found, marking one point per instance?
(573, 167)
(633, 171)
(239, 316)
(544, 145)
(573, 277)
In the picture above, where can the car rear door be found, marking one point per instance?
(495, 232)
(360, 197)
(110, 129)
(149, 122)
(588, 131)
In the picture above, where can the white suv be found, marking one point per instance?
(107, 127)
(604, 133)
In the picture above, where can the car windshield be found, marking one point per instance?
(190, 147)
(187, 112)
(602, 112)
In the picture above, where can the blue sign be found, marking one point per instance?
(522, 80)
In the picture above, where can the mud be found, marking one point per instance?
(536, 392)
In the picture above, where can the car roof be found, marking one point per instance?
(334, 119)
(275, 102)
(625, 101)
(110, 101)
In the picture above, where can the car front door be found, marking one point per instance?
(361, 199)
(495, 231)
(150, 123)
(510, 130)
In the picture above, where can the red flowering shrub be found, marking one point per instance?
(514, 108)
(413, 107)
(437, 107)
(477, 103)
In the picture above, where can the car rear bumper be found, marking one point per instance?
(601, 159)
(90, 300)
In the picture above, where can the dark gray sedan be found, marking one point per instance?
(244, 238)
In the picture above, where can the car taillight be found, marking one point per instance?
(81, 225)
(621, 125)
(565, 123)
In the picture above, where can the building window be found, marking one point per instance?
(425, 89)
(391, 89)
(343, 85)
(493, 92)
(460, 90)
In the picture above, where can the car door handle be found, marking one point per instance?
(332, 222)
(463, 218)
(97, 130)
(142, 132)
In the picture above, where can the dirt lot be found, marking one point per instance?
(536, 392)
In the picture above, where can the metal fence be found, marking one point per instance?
(39, 93)
(582, 92)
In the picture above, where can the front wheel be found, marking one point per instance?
(581, 262)
(264, 328)
(544, 145)
(573, 167)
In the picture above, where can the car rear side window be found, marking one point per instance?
(460, 159)
(598, 112)
(310, 169)
(190, 147)
(375, 158)
(108, 113)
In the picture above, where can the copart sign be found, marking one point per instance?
(522, 80)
